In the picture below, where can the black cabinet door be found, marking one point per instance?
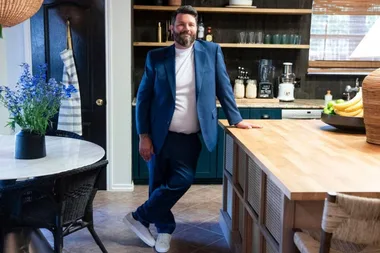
(48, 28)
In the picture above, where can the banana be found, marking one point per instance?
(360, 115)
(353, 101)
(348, 114)
(355, 107)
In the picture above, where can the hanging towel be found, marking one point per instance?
(70, 113)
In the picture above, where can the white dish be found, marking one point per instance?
(241, 2)
(240, 6)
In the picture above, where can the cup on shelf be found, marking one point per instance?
(297, 39)
(267, 39)
(251, 37)
(259, 37)
(285, 38)
(276, 39)
(292, 39)
(242, 37)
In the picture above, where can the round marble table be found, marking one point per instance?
(62, 154)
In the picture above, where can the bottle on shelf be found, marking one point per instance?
(201, 29)
(209, 36)
(159, 33)
(328, 97)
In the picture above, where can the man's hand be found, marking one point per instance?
(145, 147)
(246, 125)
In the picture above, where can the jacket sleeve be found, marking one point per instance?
(224, 90)
(144, 98)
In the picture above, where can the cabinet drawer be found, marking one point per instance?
(229, 163)
(273, 206)
(242, 167)
(265, 113)
(254, 185)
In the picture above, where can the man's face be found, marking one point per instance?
(185, 29)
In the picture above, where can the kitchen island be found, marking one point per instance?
(276, 178)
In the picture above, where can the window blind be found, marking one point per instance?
(338, 26)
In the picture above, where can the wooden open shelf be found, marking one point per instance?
(228, 10)
(230, 45)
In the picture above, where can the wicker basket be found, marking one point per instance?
(13, 12)
(371, 105)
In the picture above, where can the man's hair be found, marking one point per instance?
(185, 9)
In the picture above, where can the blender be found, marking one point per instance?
(266, 76)
(286, 86)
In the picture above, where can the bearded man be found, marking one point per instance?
(176, 106)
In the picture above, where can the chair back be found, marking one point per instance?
(76, 189)
(353, 219)
(63, 133)
(39, 200)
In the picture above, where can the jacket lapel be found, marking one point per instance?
(170, 68)
(199, 61)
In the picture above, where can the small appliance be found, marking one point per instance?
(266, 79)
(286, 86)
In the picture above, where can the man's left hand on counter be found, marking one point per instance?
(246, 125)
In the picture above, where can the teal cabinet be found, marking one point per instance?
(206, 168)
(139, 167)
(210, 164)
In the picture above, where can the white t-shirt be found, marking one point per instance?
(185, 117)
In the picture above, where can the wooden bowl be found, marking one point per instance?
(352, 124)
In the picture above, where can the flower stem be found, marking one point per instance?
(1, 32)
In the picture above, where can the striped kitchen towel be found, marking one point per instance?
(70, 113)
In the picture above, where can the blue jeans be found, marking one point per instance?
(171, 173)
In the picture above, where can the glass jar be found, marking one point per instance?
(239, 88)
(251, 89)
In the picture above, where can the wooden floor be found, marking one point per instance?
(196, 214)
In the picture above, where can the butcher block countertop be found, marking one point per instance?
(307, 158)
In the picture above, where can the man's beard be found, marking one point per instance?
(182, 39)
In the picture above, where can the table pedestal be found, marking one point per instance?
(26, 240)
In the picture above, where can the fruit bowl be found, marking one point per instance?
(355, 124)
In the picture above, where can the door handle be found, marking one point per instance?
(99, 102)
(265, 116)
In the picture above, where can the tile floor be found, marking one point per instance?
(196, 214)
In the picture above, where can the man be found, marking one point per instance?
(176, 100)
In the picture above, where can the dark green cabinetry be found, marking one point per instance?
(210, 164)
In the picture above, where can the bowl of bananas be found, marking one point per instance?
(345, 115)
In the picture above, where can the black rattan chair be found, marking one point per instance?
(3, 218)
(61, 203)
(62, 133)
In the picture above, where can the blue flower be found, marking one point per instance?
(34, 101)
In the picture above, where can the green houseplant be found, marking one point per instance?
(31, 105)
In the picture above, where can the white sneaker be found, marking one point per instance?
(140, 230)
(163, 242)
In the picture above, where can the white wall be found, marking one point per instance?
(3, 81)
(15, 49)
(12, 54)
(119, 104)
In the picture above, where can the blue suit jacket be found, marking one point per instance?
(156, 94)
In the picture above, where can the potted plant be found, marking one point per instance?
(31, 106)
